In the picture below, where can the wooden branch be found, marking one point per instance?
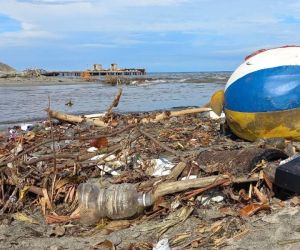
(202, 190)
(52, 134)
(163, 146)
(176, 171)
(75, 118)
(10, 200)
(95, 136)
(179, 186)
(168, 114)
(115, 102)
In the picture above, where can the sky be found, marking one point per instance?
(159, 35)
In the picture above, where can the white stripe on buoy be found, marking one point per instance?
(267, 59)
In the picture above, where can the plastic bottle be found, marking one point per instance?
(115, 202)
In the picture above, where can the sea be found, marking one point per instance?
(156, 92)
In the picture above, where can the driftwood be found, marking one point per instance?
(99, 123)
(75, 118)
(179, 186)
(115, 102)
(168, 114)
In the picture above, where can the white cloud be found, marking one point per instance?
(259, 22)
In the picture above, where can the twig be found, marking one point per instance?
(3, 164)
(115, 102)
(201, 190)
(52, 135)
(163, 146)
(286, 242)
(11, 199)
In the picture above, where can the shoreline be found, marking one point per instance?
(43, 81)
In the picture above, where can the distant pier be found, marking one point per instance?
(98, 71)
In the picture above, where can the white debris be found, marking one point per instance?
(217, 198)
(191, 177)
(92, 149)
(107, 169)
(214, 116)
(162, 245)
(162, 167)
(289, 159)
(206, 200)
(25, 126)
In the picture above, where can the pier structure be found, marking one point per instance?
(98, 71)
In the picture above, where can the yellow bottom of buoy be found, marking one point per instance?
(251, 126)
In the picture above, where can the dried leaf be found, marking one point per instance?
(50, 219)
(251, 209)
(295, 201)
(47, 200)
(139, 245)
(216, 226)
(60, 183)
(244, 195)
(268, 181)
(262, 197)
(179, 238)
(23, 193)
(29, 136)
(118, 225)
(25, 218)
(105, 245)
(101, 142)
(173, 219)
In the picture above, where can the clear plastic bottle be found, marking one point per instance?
(115, 202)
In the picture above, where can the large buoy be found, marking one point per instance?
(262, 97)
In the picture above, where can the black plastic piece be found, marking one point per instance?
(287, 175)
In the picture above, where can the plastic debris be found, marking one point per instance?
(162, 245)
(287, 174)
(161, 167)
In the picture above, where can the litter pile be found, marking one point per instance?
(194, 172)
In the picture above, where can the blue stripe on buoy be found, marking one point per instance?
(265, 90)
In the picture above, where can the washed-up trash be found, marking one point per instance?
(161, 167)
(115, 202)
(55, 146)
(107, 169)
(107, 164)
(92, 149)
(218, 198)
(190, 177)
(27, 126)
(287, 175)
(162, 245)
(206, 200)
(212, 115)
(13, 134)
